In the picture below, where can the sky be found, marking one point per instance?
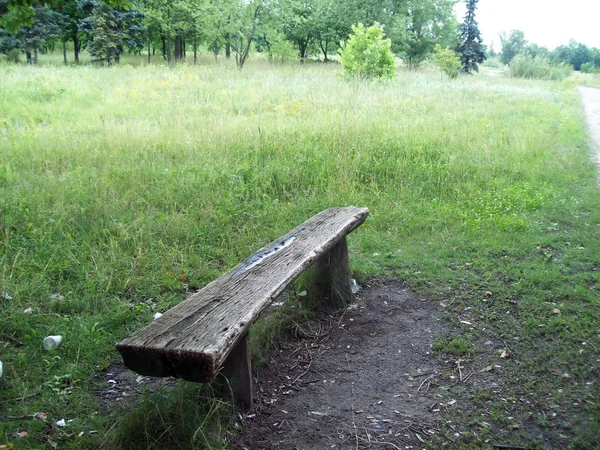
(547, 23)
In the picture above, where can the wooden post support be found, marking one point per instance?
(332, 276)
(237, 369)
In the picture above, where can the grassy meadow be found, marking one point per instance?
(123, 189)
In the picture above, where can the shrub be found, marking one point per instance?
(448, 61)
(14, 55)
(588, 67)
(523, 66)
(366, 54)
(282, 51)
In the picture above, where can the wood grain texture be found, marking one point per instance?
(193, 339)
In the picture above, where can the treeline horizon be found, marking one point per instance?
(286, 30)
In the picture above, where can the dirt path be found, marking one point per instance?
(362, 380)
(591, 101)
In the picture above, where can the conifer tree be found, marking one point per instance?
(471, 49)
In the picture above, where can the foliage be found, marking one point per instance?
(281, 50)
(588, 67)
(471, 49)
(512, 45)
(418, 25)
(448, 61)
(44, 26)
(111, 31)
(367, 55)
(523, 66)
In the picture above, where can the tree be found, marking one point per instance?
(111, 30)
(471, 49)
(45, 26)
(239, 23)
(366, 54)
(418, 25)
(512, 45)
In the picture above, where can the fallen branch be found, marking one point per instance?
(429, 378)
(15, 341)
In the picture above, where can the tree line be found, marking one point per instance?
(173, 30)
(575, 54)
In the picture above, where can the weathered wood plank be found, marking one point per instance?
(237, 372)
(193, 339)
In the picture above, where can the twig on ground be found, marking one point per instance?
(15, 341)
(509, 447)
(429, 378)
(460, 377)
(23, 397)
(307, 369)
(512, 352)
(467, 377)
(421, 374)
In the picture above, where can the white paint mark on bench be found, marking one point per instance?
(260, 256)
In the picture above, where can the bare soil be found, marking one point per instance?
(364, 379)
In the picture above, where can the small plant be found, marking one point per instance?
(448, 61)
(366, 54)
(456, 346)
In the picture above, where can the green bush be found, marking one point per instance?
(523, 66)
(448, 61)
(282, 51)
(14, 55)
(588, 67)
(366, 54)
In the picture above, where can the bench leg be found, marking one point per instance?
(237, 368)
(332, 277)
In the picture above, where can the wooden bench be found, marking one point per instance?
(208, 332)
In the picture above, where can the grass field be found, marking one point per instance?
(123, 189)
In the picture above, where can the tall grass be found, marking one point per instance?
(123, 189)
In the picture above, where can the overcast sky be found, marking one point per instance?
(548, 23)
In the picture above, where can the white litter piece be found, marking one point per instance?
(157, 315)
(355, 286)
(28, 311)
(51, 342)
(61, 423)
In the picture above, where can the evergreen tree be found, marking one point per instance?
(111, 30)
(471, 49)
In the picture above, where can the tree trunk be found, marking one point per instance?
(227, 46)
(195, 49)
(178, 51)
(169, 48)
(76, 46)
(64, 50)
(303, 46)
(28, 56)
(35, 54)
(324, 48)
(164, 46)
(148, 51)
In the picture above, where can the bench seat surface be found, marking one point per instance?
(193, 339)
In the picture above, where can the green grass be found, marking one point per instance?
(123, 189)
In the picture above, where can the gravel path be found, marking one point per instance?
(590, 97)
